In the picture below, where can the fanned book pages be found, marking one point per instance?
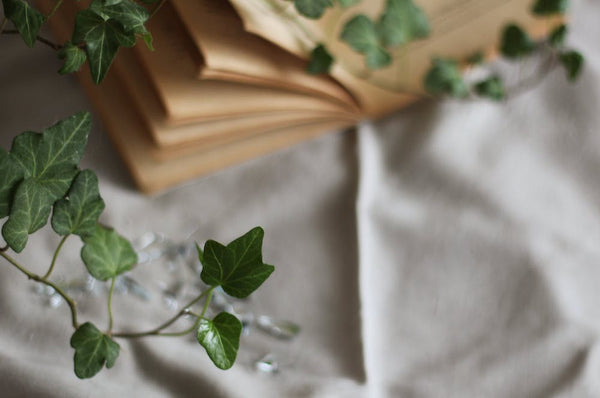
(227, 81)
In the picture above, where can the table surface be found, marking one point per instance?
(451, 250)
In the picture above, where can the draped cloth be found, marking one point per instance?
(450, 250)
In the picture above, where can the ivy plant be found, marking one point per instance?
(40, 181)
(403, 21)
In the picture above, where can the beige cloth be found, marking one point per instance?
(449, 251)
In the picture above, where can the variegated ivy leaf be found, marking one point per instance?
(78, 213)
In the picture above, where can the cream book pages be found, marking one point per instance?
(173, 70)
(231, 53)
(458, 29)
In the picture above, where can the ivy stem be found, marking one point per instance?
(37, 278)
(60, 245)
(110, 313)
(158, 6)
(184, 311)
(199, 317)
(41, 39)
(56, 6)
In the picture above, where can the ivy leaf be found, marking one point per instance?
(312, 9)
(476, 58)
(107, 254)
(572, 61)
(377, 57)
(557, 36)
(361, 34)
(515, 42)
(78, 213)
(48, 162)
(402, 22)
(73, 56)
(238, 267)
(348, 3)
(30, 211)
(221, 339)
(492, 88)
(93, 350)
(320, 61)
(52, 157)
(102, 38)
(26, 19)
(200, 254)
(10, 176)
(444, 77)
(550, 7)
(130, 14)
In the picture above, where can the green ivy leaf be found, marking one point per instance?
(377, 57)
(320, 61)
(26, 19)
(93, 350)
(572, 61)
(361, 34)
(476, 58)
(78, 213)
(312, 9)
(557, 36)
(73, 56)
(348, 3)
(52, 157)
(221, 339)
(444, 77)
(515, 42)
(107, 254)
(492, 88)
(102, 38)
(130, 14)
(550, 7)
(49, 163)
(238, 267)
(30, 211)
(11, 175)
(401, 22)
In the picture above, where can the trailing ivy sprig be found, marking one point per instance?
(99, 31)
(40, 175)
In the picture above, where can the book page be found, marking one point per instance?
(458, 29)
(209, 132)
(231, 53)
(172, 68)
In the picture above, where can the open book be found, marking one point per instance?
(227, 80)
